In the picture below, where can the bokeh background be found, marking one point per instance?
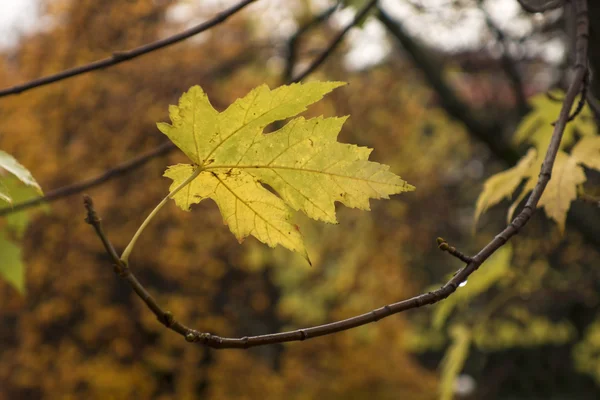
(416, 84)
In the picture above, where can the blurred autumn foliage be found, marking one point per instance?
(79, 332)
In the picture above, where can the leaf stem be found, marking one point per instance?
(129, 248)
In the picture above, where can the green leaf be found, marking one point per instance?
(11, 165)
(302, 162)
(503, 184)
(491, 272)
(454, 360)
(17, 221)
(11, 264)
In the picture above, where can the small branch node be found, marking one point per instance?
(192, 336)
(167, 319)
(376, 316)
(303, 334)
(92, 217)
(444, 246)
(122, 270)
(121, 55)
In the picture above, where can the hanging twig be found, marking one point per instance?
(360, 15)
(583, 98)
(122, 56)
(444, 246)
(590, 199)
(508, 63)
(594, 104)
(292, 44)
(208, 339)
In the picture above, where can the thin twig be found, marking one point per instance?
(594, 104)
(79, 187)
(292, 45)
(360, 15)
(207, 339)
(508, 63)
(590, 199)
(122, 56)
(583, 97)
(444, 246)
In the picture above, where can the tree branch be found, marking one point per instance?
(292, 43)
(79, 187)
(508, 63)
(122, 56)
(360, 15)
(489, 133)
(207, 339)
(134, 163)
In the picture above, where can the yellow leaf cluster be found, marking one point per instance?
(567, 173)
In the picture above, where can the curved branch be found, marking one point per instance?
(207, 339)
(122, 56)
(360, 15)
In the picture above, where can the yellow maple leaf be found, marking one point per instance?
(302, 162)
